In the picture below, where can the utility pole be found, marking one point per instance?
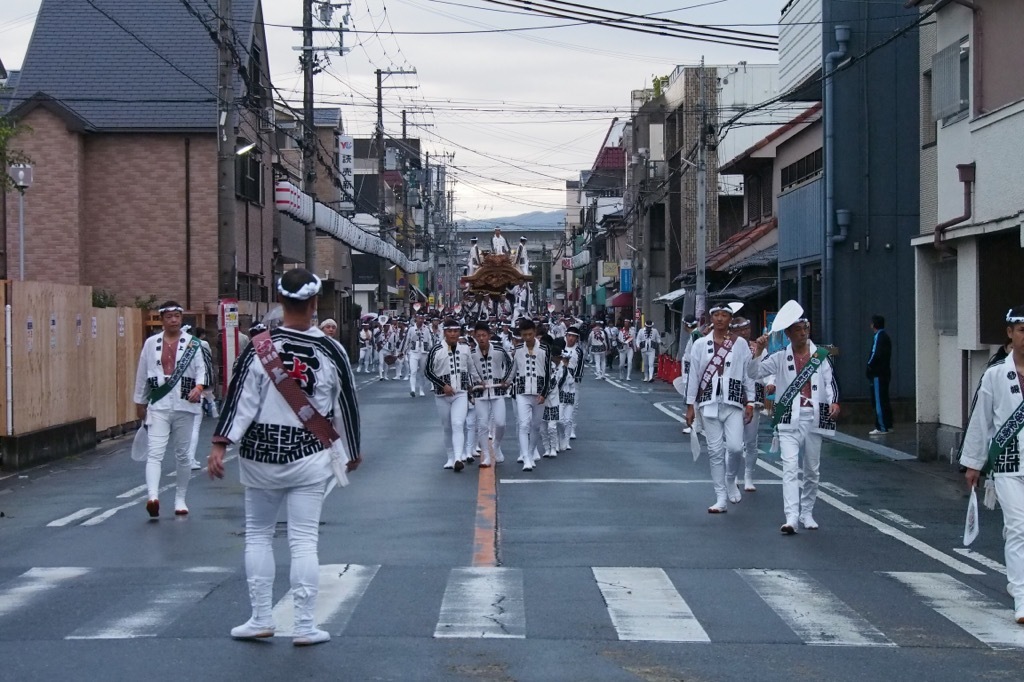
(702, 191)
(309, 132)
(227, 272)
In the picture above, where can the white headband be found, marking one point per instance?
(308, 290)
(171, 309)
(720, 309)
(1012, 319)
(741, 325)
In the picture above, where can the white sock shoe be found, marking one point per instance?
(317, 636)
(251, 629)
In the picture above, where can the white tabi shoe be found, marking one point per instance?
(572, 436)
(1018, 615)
(733, 492)
(789, 527)
(421, 392)
(718, 507)
(195, 465)
(317, 636)
(808, 522)
(527, 467)
(251, 629)
(748, 484)
(450, 464)
(499, 457)
(687, 430)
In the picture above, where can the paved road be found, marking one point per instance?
(600, 565)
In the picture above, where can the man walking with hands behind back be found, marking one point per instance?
(879, 372)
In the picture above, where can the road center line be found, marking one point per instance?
(981, 559)
(485, 528)
(896, 518)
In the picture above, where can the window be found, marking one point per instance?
(928, 126)
(951, 82)
(944, 310)
(802, 169)
(249, 174)
(753, 192)
(766, 192)
(256, 91)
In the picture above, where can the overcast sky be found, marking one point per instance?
(489, 98)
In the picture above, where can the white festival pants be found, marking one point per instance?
(490, 414)
(649, 365)
(417, 361)
(724, 432)
(745, 461)
(1010, 491)
(365, 359)
(600, 363)
(261, 509)
(471, 417)
(797, 503)
(567, 417)
(530, 416)
(169, 431)
(626, 360)
(452, 411)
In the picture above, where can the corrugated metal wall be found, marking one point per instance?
(800, 226)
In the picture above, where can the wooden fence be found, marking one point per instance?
(69, 361)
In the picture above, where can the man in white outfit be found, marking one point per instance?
(741, 326)
(627, 345)
(169, 384)
(490, 371)
(418, 343)
(522, 257)
(992, 444)
(805, 410)
(448, 370)
(498, 243)
(570, 405)
(647, 342)
(282, 463)
(532, 381)
(718, 387)
(366, 349)
(692, 329)
(599, 349)
(475, 257)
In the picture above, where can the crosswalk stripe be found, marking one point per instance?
(981, 559)
(812, 611)
(161, 609)
(483, 601)
(65, 520)
(341, 588)
(645, 607)
(967, 608)
(19, 592)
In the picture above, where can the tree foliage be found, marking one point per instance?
(8, 131)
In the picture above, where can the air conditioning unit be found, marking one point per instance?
(267, 119)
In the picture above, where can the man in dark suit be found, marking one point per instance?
(879, 372)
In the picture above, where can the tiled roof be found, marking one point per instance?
(109, 75)
(719, 257)
(762, 258)
(610, 158)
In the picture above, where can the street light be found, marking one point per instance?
(21, 173)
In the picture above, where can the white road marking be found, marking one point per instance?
(65, 520)
(96, 520)
(812, 611)
(19, 592)
(137, 490)
(342, 586)
(673, 481)
(626, 387)
(125, 621)
(981, 559)
(880, 526)
(896, 518)
(833, 488)
(483, 601)
(886, 529)
(967, 608)
(645, 607)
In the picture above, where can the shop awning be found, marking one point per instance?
(671, 297)
(621, 300)
(417, 294)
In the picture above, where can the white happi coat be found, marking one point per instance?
(647, 339)
(499, 245)
(998, 396)
(448, 366)
(150, 374)
(576, 362)
(736, 387)
(824, 389)
(531, 373)
(495, 368)
(418, 340)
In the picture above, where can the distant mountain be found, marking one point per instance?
(535, 220)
